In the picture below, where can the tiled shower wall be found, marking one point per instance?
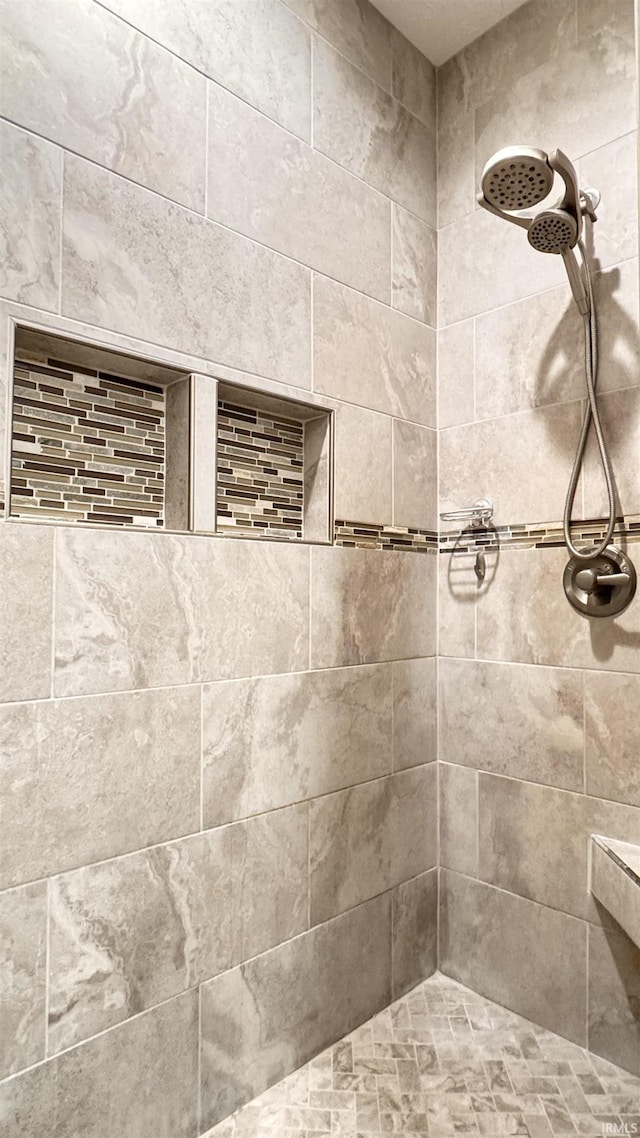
(218, 839)
(539, 732)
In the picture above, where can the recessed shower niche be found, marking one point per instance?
(105, 438)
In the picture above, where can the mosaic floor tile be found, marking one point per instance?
(440, 1063)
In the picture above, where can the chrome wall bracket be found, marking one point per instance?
(478, 515)
(603, 585)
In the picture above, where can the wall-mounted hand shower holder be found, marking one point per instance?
(478, 515)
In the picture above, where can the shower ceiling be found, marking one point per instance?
(440, 28)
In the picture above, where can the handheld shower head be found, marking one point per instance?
(517, 177)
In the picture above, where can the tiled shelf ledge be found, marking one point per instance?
(615, 881)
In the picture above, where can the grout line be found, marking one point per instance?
(54, 579)
(206, 149)
(61, 237)
(311, 87)
(309, 864)
(202, 757)
(584, 733)
(47, 977)
(199, 1061)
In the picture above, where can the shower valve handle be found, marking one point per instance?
(590, 579)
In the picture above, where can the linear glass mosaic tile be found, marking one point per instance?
(260, 472)
(537, 534)
(365, 535)
(87, 446)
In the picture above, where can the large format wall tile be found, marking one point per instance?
(493, 62)
(456, 374)
(520, 461)
(23, 936)
(456, 172)
(147, 107)
(620, 411)
(26, 561)
(281, 739)
(267, 184)
(130, 933)
(613, 170)
(143, 610)
(356, 28)
(93, 778)
(483, 263)
(371, 605)
(534, 840)
(141, 1078)
(458, 818)
(413, 79)
(552, 105)
(363, 472)
(415, 699)
(30, 217)
(529, 354)
(612, 728)
(263, 1020)
(457, 602)
(360, 126)
(368, 838)
(414, 948)
(506, 932)
(414, 266)
(614, 998)
(415, 489)
(144, 266)
(536, 718)
(368, 354)
(259, 51)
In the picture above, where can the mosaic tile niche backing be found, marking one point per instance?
(87, 446)
(260, 473)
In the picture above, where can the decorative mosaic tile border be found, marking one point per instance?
(260, 473)
(87, 446)
(363, 535)
(537, 535)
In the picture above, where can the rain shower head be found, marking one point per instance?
(517, 179)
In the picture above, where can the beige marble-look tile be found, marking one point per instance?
(534, 840)
(415, 489)
(456, 374)
(578, 100)
(130, 933)
(413, 79)
(525, 617)
(26, 558)
(521, 461)
(364, 129)
(148, 106)
(614, 643)
(494, 61)
(261, 52)
(614, 998)
(459, 818)
(456, 171)
(414, 266)
(415, 931)
(536, 717)
(504, 931)
(23, 935)
(281, 739)
(613, 170)
(264, 1019)
(369, 838)
(363, 450)
(356, 28)
(371, 605)
(143, 610)
(484, 263)
(266, 183)
(141, 1078)
(612, 736)
(414, 713)
(616, 293)
(612, 884)
(620, 414)
(93, 778)
(458, 592)
(371, 355)
(141, 265)
(529, 354)
(30, 218)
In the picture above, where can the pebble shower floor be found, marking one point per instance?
(440, 1062)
